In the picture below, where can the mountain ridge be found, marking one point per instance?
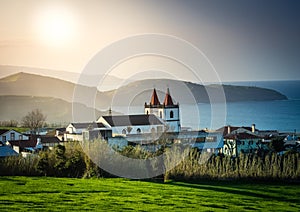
(138, 92)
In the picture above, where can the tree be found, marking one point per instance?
(34, 120)
(277, 144)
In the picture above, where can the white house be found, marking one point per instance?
(11, 135)
(74, 131)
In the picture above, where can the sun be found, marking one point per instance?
(55, 26)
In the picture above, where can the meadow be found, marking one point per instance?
(117, 194)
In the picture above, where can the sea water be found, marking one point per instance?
(282, 115)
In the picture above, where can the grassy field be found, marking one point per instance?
(61, 194)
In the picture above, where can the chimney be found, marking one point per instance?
(228, 129)
(253, 128)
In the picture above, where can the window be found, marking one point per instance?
(160, 114)
(171, 114)
(138, 131)
(3, 138)
(147, 112)
(12, 136)
(20, 137)
(124, 131)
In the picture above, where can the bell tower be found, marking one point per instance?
(168, 111)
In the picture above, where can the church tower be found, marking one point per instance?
(167, 111)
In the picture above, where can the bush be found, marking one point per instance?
(179, 163)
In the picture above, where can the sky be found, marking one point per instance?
(243, 40)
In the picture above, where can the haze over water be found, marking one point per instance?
(282, 115)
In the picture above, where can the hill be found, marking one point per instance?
(24, 84)
(135, 93)
(56, 110)
(85, 79)
(139, 92)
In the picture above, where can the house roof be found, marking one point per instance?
(241, 136)
(132, 120)
(2, 131)
(49, 139)
(224, 129)
(87, 125)
(23, 143)
(7, 151)
(33, 141)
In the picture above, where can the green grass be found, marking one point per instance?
(61, 194)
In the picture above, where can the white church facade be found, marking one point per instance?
(168, 112)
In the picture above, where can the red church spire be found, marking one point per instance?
(154, 98)
(168, 99)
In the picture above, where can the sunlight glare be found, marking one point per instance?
(56, 26)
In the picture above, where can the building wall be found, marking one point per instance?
(70, 129)
(172, 121)
(90, 135)
(9, 137)
(247, 145)
(234, 148)
(73, 137)
(123, 130)
(154, 111)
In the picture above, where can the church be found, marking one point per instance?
(157, 118)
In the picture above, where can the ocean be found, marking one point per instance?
(283, 115)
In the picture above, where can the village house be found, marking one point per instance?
(245, 140)
(11, 135)
(34, 144)
(74, 131)
(235, 144)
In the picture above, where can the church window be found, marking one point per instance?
(124, 131)
(171, 114)
(138, 130)
(147, 112)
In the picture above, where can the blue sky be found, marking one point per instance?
(244, 40)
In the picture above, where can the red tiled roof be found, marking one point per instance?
(154, 98)
(168, 99)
